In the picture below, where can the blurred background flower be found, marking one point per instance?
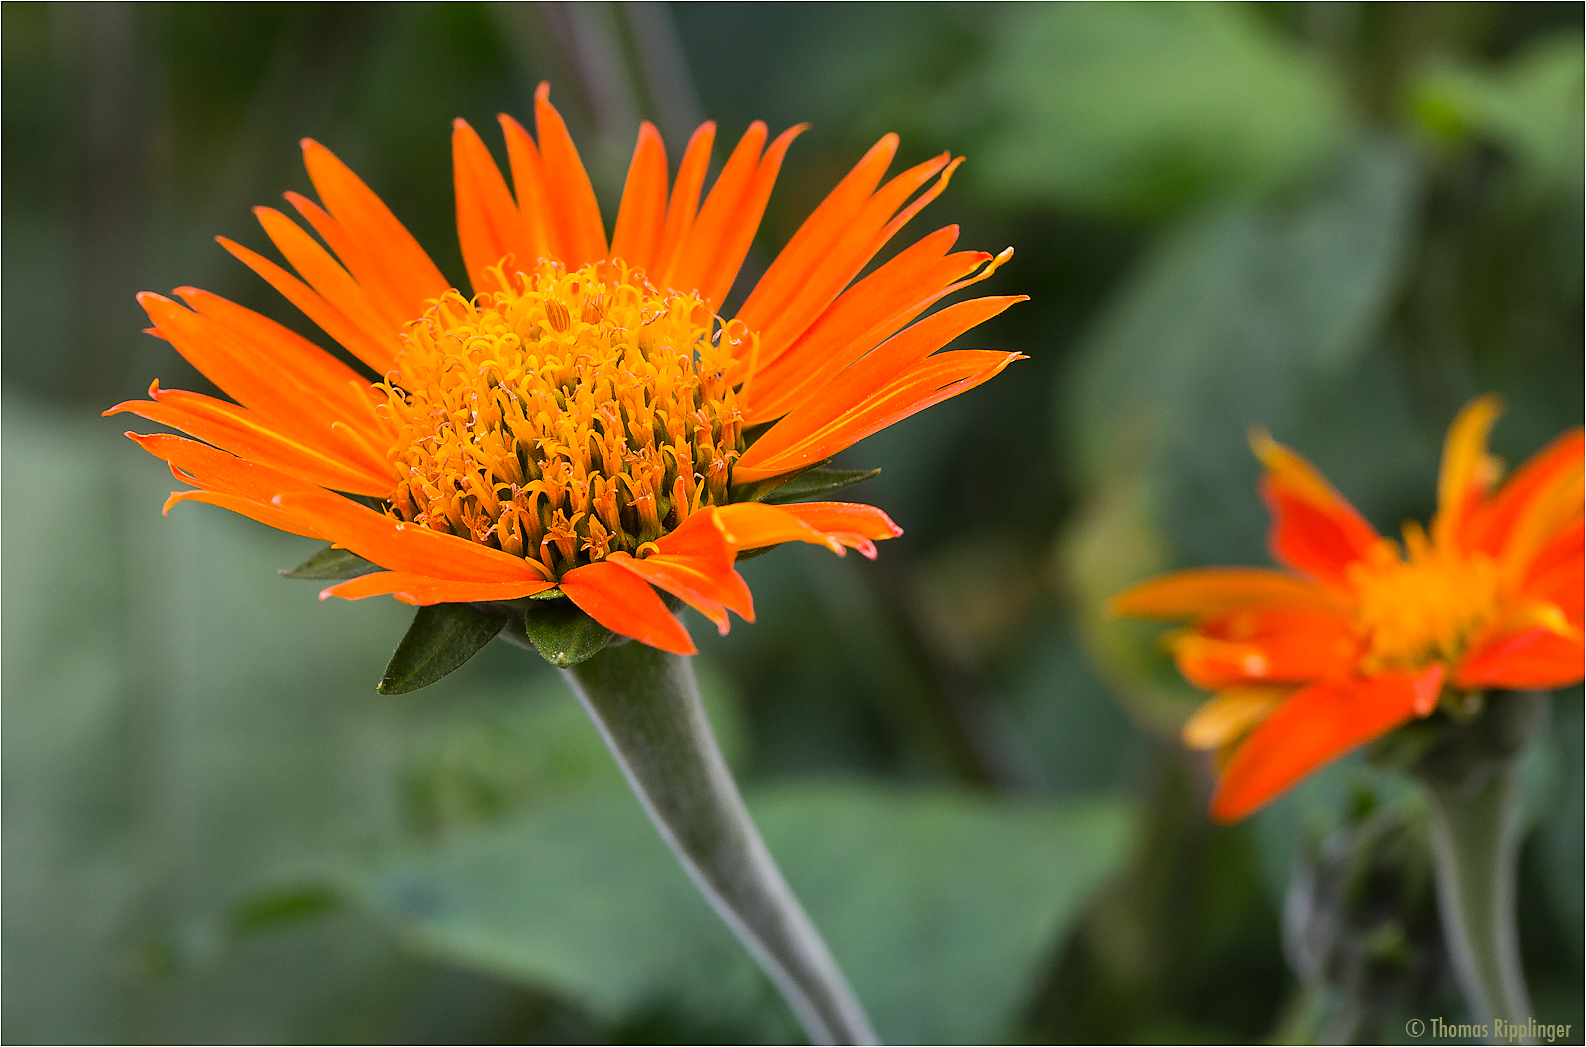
(1339, 220)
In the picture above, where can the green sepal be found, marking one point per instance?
(819, 482)
(563, 634)
(331, 564)
(806, 484)
(441, 638)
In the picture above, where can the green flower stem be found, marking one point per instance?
(646, 704)
(1473, 784)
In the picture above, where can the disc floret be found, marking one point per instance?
(1425, 606)
(565, 416)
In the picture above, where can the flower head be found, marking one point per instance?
(586, 420)
(1361, 634)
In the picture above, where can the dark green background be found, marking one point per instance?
(1339, 220)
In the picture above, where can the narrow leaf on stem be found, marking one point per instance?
(441, 638)
(331, 564)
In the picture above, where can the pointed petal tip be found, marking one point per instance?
(1428, 687)
(1261, 442)
(1224, 813)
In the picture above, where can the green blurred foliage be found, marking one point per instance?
(1142, 110)
(1336, 220)
(927, 898)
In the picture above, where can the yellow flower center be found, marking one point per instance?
(567, 417)
(1425, 606)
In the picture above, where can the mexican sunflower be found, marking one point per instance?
(1359, 635)
(584, 418)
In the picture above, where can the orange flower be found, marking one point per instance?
(586, 420)
(1361, 636)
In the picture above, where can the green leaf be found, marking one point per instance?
(817, 482)
(1531, 107)
(441, 638)
(1140, 110)
(1245, 316)
(941, 907)
(275, 747)
(286, 905)
(331, 564)
(563, 634)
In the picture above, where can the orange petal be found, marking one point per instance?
(700, 546)
(315, 265)
(684, 204)
(265, 514)
(228, 481)
(863, 238)
(1314, 529)
(421, 591)
(845, 520)
(382, 239)
(702, 535)
(806, 254)
(848, 523)
(1315, 725)
(331, 320)
(1492, 523)
(1467, 470)
(240, 432)
(641, 218)
(528, 184)
(1556, 572)
(699, 247)
(849, 390)
(216, 470)
(285, 397)
(868, 314)
(1185, 594)
(1552, 509)
(488, 224)
(697, 583)
(573, 212)
(755, 525)
(1537, 659)
(1230, 714)
(406, 547)
(1282, 645)
(387, 300)
(939, 377)
(713, 249)
(323, 377)
(625, 603)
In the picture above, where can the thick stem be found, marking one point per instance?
(647, 707)
(1474, 788)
